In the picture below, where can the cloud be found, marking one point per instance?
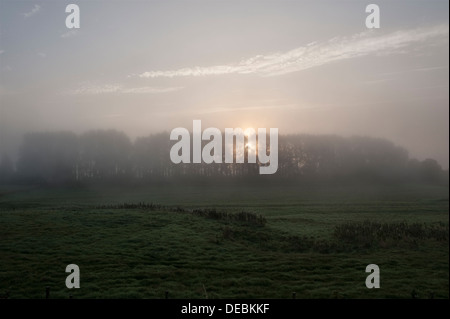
(42, 54)
(317, 54)
(69, 34)
(221, 109)
(117, 88)
(379, 81)
(114, 115)
(4, 92)
(33, 11)
(150, 90)
(432, 68)
(421, 69)
(2, 51)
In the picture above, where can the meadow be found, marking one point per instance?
(225, 241)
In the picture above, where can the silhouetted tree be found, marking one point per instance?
(6, 168)
(151, 156)
(430, 171)
(48, 157)
(106, 155)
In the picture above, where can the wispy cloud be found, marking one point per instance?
(432, 68)
(114, 115)
(421, 69)
(33, 11)
(69, 34)
(42, 54)
(221, 109)
(117, 88)
(2, 51)
(379, 81)
(4, 92)
(317, 54)
(150, 90)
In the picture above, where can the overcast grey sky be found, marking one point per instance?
(300, 66)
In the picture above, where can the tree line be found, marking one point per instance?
(111, 156)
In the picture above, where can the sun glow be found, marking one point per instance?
(250, 137)
(249, 132)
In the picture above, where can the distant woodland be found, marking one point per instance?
(110, 156)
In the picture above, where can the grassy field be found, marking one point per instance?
(142, 252)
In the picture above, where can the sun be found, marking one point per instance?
(250, 136)
(248, 132)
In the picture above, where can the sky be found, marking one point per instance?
(300, 66)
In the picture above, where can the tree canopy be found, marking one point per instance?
(110, 155)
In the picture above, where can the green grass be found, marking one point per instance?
(141, 253)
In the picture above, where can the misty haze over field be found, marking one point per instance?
(224, 149)
(301, 66)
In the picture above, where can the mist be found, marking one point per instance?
(206, 150)
(151, 67)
